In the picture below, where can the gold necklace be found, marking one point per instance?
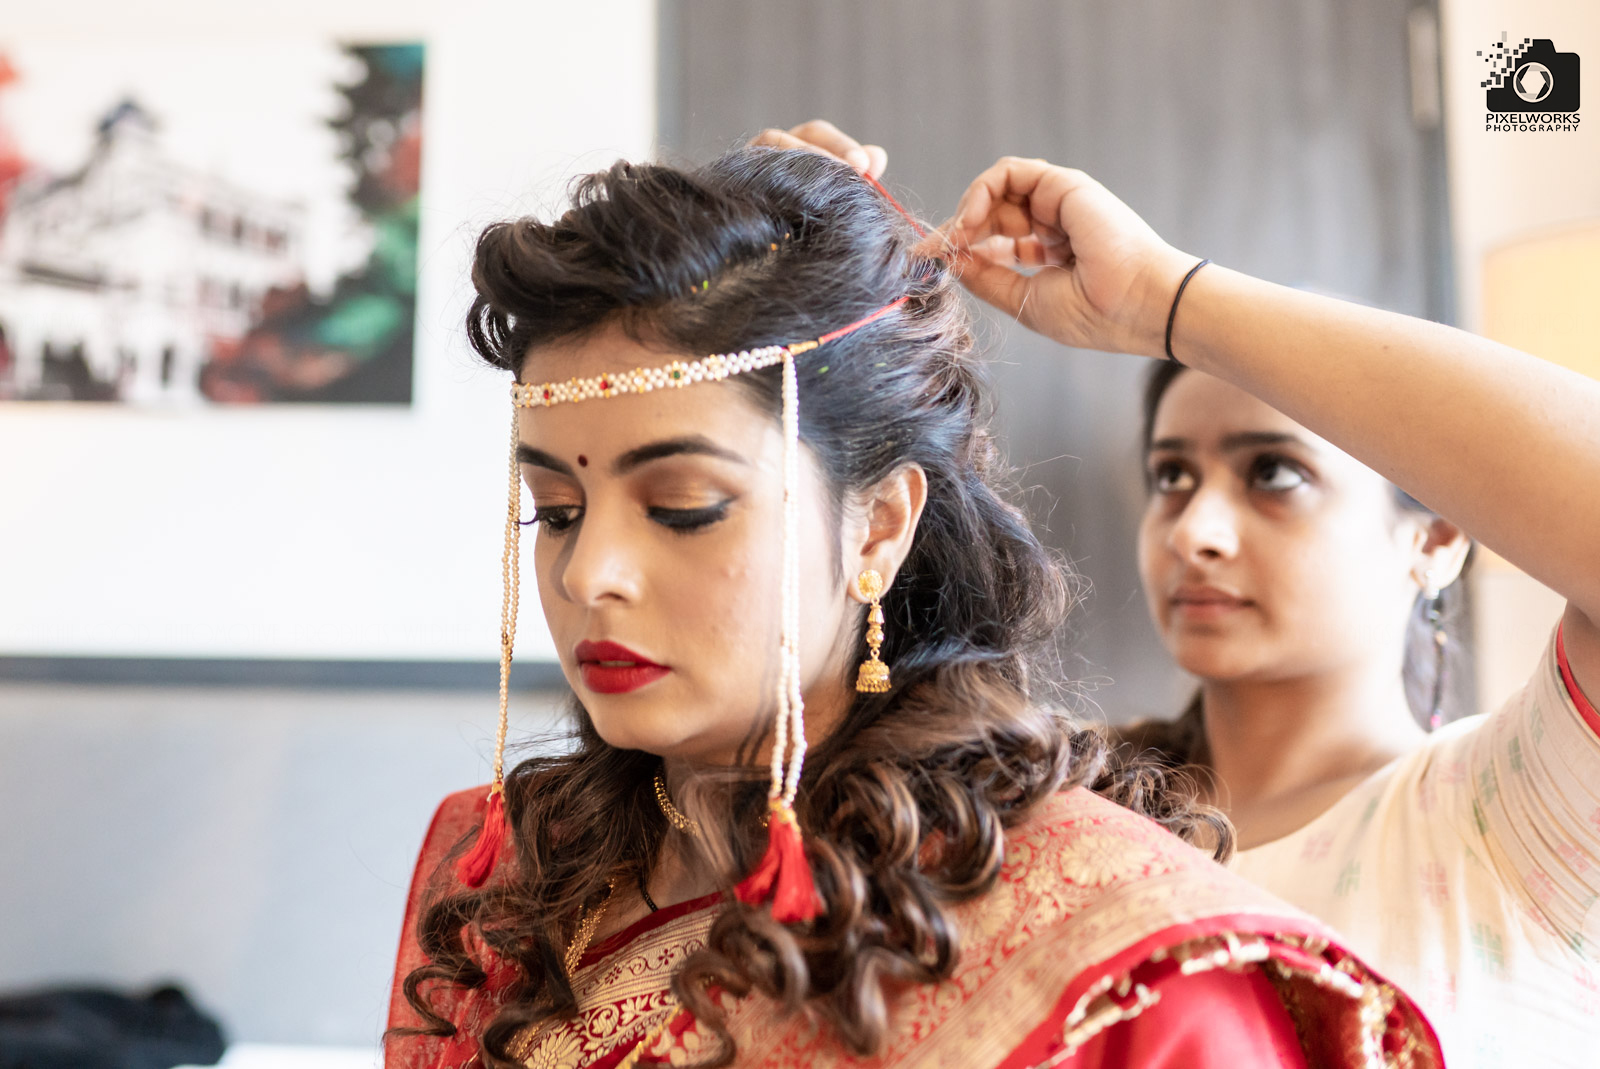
(522, 1046)
(585, 933)
(687, 825)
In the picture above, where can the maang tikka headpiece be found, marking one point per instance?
(783, 874)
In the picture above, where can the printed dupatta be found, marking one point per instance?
(1093, 906)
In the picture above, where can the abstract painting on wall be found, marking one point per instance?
(184, 224)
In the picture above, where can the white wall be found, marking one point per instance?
(1504, 186)
(323, 532)
(255, 845)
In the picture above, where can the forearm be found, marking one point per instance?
(1502, 443)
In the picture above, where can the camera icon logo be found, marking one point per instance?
(1533, 76)
(1527, 89)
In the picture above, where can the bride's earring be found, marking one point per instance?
(873, 676)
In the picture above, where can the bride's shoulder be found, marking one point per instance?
(1079, 854)
(1079, 832)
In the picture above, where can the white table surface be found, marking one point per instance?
(274, 1056)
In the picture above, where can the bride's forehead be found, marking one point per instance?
(605, 349)
(601, 430)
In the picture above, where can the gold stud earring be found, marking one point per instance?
(873, 676)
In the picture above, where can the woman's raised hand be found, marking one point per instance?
(1047, 245)
(820, 135)
(1056, 250)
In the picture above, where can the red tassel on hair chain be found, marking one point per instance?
(783, 872)
(473, 867)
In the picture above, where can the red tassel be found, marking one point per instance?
(473, 867)
(783, 872)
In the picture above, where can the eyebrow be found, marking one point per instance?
(687, 445)
(527, 454)
(1231, 443)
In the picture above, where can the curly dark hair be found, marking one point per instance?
(907, 801)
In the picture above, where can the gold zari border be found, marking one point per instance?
(1100, 1007)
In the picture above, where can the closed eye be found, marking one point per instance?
(556, 519)
(689, 520)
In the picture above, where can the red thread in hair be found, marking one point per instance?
(858, 324)
(875, 184)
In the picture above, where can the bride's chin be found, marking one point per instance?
(661, 733)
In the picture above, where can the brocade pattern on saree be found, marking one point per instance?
(1091, 903)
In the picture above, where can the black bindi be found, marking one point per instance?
(583, 461)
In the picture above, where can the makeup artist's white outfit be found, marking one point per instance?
(1468, 873)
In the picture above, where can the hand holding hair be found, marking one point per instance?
(820, 135)
(1010, 217)
(1055, 249)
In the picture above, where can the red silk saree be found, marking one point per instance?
(1106, 942)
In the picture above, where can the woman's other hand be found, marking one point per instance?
(820, 135)
(1055, 249)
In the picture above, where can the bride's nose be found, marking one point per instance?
(600, 562)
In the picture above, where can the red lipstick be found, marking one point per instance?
(612, 668)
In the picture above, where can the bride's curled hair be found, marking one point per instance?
(905, 805)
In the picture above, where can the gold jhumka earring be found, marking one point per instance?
(873, 675)
(783, 874)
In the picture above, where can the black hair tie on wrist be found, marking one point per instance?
(1172, 316)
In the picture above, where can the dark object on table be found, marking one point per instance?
(97, 1028)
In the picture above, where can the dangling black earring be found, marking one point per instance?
(1433, 606)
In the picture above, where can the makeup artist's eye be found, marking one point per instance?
(556, 519)
(1276, 474)
(1170, 477)
(690, 519)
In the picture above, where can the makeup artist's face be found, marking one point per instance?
(658, 552)
(1265, 551)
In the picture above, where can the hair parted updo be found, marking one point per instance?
(905, 804)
